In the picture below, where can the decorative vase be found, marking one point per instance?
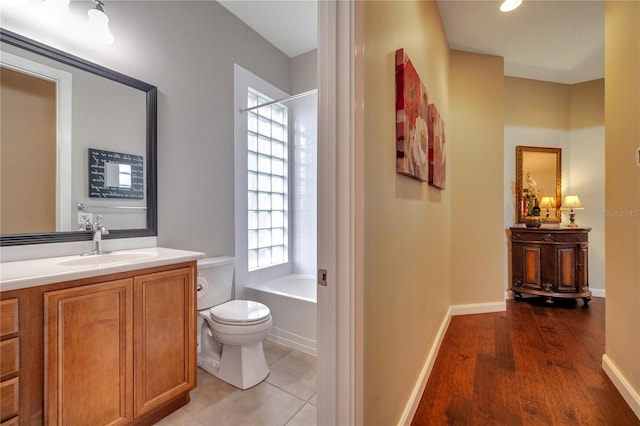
(533, 221)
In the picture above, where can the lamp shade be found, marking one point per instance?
(548, 203)
(572, 202)
(99, 24)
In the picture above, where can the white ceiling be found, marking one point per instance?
(560, 40)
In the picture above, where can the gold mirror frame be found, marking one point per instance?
(521, 152)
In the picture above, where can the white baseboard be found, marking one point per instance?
(479, 308)
(628, 393)
(416, 394)
(291, 340)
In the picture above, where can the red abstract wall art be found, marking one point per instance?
(437, 160)
(412, 149)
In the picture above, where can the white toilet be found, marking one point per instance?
(231, 331)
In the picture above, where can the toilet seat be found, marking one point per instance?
(240, 313)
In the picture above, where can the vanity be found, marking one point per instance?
(107, 339)
(550, 262)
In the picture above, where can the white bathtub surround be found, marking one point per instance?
(292, 301)
(303, 184)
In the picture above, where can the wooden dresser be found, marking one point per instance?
(550, 262)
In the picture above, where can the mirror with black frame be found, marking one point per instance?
(78, 140)
(538, 183)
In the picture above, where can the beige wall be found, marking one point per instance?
(407, 223)
(534, 103)
(586, 104)
(622, 118)
(27, 204)
(476, 133)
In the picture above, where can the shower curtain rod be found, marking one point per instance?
(288, 98)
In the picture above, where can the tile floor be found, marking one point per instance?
(286, 397)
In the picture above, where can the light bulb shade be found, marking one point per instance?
(572, 202)
(99, 26)
(509, 5)
(548, 203)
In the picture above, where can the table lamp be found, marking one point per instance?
(571, 203)
(548, 203)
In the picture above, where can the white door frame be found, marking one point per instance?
(63, 81)
(340, 212)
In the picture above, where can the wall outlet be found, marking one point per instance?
(83, 217)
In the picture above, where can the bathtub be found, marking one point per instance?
(292, 302)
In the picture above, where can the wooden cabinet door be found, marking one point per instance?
(88, 354)
(165, 337)
(526, 266)
(582, 268)
(567, 266)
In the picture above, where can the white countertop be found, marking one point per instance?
(31, 273)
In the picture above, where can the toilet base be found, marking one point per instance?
(240, 366)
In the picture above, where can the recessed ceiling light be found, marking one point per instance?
(509, 5)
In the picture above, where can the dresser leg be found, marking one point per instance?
(586, 300)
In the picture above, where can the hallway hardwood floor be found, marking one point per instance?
(533, 364)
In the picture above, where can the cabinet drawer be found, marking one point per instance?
(9, 357)
(8, 317)
(576, 237)
(9, 398)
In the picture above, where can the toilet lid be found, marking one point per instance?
(240, 312)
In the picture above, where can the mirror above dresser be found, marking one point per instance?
(538, 183)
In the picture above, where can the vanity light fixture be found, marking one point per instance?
(548, 203)
(571, 203)
(99, 23)
(509, 5)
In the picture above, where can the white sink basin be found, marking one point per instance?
(108, 259)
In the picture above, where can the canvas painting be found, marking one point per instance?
(412, 149)
(437, 160)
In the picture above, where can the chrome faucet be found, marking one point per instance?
(98, 231)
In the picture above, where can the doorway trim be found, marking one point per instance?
(63, 82)
(340, 212)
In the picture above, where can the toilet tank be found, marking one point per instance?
(215, 280)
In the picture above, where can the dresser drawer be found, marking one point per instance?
(9, 400)
(8, 317)
(9, 351)
(575, 237)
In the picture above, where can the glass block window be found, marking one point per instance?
(267, 182)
